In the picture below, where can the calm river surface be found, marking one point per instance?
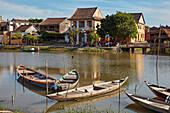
(92, 67)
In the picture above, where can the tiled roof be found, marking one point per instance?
(22, 28)
(167, 31)
(3, 24)
(137, 16)
(52, 21)
(84, 13)
(19, 20)
(163, 31)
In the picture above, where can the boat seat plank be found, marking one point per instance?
(73, 73)
(70, 77)
(67, 81)
(25, 71)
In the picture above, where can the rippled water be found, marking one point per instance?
(92, 67)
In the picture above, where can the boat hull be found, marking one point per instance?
(67, 85)
(158, 92)
(50, 86)
(36, 78)
(85, 92)
(150, 103)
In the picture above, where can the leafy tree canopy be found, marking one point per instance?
(16, 36)
(118, 25)
(93, 37)
(31, 20)
(73, 35)
(32, 37)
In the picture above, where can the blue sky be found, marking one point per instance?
(155, 12)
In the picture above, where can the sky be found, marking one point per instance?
(155, 12)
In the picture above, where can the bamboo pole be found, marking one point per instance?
(46, 67)
(135, 88)
(15, 73)
(12, 100)
(158, 54)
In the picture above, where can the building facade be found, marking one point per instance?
(60, 25)
(85, 20)
(140, 22)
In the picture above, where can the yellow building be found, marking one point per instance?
(85, 20)
(139, 18)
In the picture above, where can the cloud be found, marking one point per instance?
(154, 14)
(102, 1)
(23, 11)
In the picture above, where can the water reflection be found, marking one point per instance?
(137, 63)
(92, 68)
(70, 104)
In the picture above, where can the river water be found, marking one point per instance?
(93, 68)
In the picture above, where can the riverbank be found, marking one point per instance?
(69, 48)
(17, 48)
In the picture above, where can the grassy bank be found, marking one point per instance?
(12, 48)
(4, 108)
(15, 48)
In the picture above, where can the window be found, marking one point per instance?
(51, 28)
(45, 27)
(74, 24)
(90, 23)
(82, 24)
(139, 26)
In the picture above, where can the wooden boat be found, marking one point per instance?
(74, 103)
(30, 50)
(68, 81)
(88, 91)
(151, 104)
(35, 77)
(33, 88)
(160, 91)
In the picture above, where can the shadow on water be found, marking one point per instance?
(69, 104)
(137, 108)
(33, 88)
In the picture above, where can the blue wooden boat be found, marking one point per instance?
(30, 50)
(36, 78)
(68, 81)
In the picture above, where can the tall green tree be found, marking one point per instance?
(118, 25)
(94, 37)
(72, 35)
(16, 36)
(33, 38)
(31, 20)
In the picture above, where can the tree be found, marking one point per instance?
(0, 27)
(119, 25)
(94, 37)
(73, 35)
(33, 38)
(16, 36)
(31, 20)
